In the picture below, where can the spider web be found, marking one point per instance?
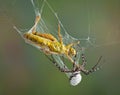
(49, 23)
(92, 37)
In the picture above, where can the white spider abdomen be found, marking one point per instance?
(75, 79)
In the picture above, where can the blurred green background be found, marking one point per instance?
(26, 71)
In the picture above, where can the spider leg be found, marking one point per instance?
(55, 63)
(93, 69)
(83, 60)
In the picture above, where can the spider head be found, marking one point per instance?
(75, 78)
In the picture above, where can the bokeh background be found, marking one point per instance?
(26, 71)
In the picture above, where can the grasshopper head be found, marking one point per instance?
(71, 52)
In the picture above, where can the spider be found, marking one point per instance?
(76, 77)
(48, 43)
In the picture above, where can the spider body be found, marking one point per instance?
(75, 77)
